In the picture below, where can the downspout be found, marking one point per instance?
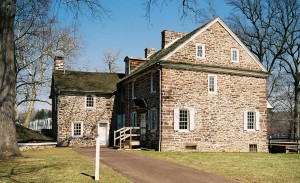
(160, 105)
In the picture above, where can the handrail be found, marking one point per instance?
(123, 135)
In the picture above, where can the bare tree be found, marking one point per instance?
(110, 59)
(8, 71)
(200, 11)
(271, 30)
(8, 143)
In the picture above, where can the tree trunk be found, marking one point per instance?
(8, 142)
(296, 110)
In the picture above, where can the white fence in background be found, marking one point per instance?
(40, 124)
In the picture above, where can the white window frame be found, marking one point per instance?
(152, 126)
(152, 83)
(215, 86)
(81, 129)
(191, 119)
(233, 50)
(86, 101)
(256, 125)
(203, 50)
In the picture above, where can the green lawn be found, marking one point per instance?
(245, 167)
(54, 165)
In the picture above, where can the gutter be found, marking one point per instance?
(160, 105)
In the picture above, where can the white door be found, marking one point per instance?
(102, 132)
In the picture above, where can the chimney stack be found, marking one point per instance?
(149, 52)
(59, 63)
(168, 37)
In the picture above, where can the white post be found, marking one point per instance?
(97, 166)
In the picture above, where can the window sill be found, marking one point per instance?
(183, 131)
(251, 130)
(212, 93)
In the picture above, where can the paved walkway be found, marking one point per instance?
(141, 169)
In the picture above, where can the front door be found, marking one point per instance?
(102, 132)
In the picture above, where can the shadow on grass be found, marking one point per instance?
(93, 177)
(21, 170)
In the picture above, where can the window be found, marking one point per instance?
(153, 119)
(153, 83)
(200, 50)
(90, 101)
(184, 119)
(121, 120)
(77, 129)
(212, 84)
(132, 90)
(234, 55)
(133, 119)
(251, 120)
(252, 147)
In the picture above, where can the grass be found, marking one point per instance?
(54, 165)
(244, 167)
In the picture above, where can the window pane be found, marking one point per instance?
(183, 119)
(234, 55)
(89, 101)
(199, 51)
(251, 120)
(211, 83)
(77, 129)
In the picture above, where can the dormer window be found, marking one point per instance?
(200, 50)
(234, 54)
(90, 101)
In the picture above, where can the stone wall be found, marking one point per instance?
(71, 108)
(219, 122)
(142, 86)
(218, 44)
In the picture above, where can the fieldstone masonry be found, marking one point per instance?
(72, 109)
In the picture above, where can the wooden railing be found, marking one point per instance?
(122, 134)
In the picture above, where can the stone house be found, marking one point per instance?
(82, 105)
(203, 91)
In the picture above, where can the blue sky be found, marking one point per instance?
(128, 31)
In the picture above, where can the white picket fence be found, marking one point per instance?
(40, 124)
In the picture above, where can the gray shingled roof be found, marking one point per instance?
(77, 81)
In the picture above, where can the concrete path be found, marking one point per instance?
(141, 169)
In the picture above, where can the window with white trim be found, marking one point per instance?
(152, 119)
(200, 50)
(235, 55)
(153, 83)
(90, 101)
(77, 129)
(251, 120)
(212, 84)
(184, 119)
(133, 119)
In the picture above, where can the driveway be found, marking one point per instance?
(141, 169)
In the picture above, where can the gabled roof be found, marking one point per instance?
(198, 31)
(164, 54)
(85, 82)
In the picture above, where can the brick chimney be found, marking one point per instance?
(168, 37)
(149, 52)
(58, 63)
